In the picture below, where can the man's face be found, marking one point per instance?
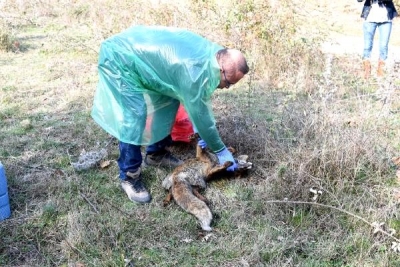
(229, 78)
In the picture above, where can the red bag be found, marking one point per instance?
(182, 129)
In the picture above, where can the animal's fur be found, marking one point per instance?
(186, 180)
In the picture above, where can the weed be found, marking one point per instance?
(6, 39)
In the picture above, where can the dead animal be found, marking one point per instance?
(186, 180)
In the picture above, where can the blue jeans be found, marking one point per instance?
(130, 156)
(369, 28)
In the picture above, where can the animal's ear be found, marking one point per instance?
(194, 136)
(242, 162)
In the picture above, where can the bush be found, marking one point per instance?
(6, 38)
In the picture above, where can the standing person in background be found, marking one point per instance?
(145, 72)
(377, 14)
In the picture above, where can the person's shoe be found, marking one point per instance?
(381, 68)
(134, 187)
(367, 69)
(162, 158)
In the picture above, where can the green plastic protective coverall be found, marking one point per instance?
(145, 72)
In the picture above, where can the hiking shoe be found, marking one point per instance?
(134, 187)
(162, 158)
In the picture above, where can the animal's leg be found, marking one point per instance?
(199, 152)
(168, 198)
(217, 169)
(202, 155)
(199, 196)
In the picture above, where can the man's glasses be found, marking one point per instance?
(227, 83)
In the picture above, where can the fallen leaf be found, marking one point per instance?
(351, 122)
(312, 190)
(397, 196)
(396, 161)
(396, 246)
(398, 175)
(104, 164)
(207, 237)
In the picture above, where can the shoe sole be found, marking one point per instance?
(141, 200)
(145, 199)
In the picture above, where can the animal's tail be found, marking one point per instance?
(184, 197)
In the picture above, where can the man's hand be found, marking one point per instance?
(224, 156)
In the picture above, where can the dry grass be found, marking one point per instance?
(6, 43)
(302, 127)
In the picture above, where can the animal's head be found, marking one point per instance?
(243, 165)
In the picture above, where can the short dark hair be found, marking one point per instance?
(222, 53)
(243, 67)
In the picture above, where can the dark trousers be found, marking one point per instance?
(130, 156)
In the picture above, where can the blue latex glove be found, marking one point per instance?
(202, 143)
(224, 156)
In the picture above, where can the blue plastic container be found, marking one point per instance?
(5, 210)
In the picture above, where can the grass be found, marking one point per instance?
(302, 129)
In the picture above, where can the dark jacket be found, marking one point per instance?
(388, 4)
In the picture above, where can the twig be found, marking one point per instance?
(110, 141)
(74, 248)
(90, 203)
(334, 208)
